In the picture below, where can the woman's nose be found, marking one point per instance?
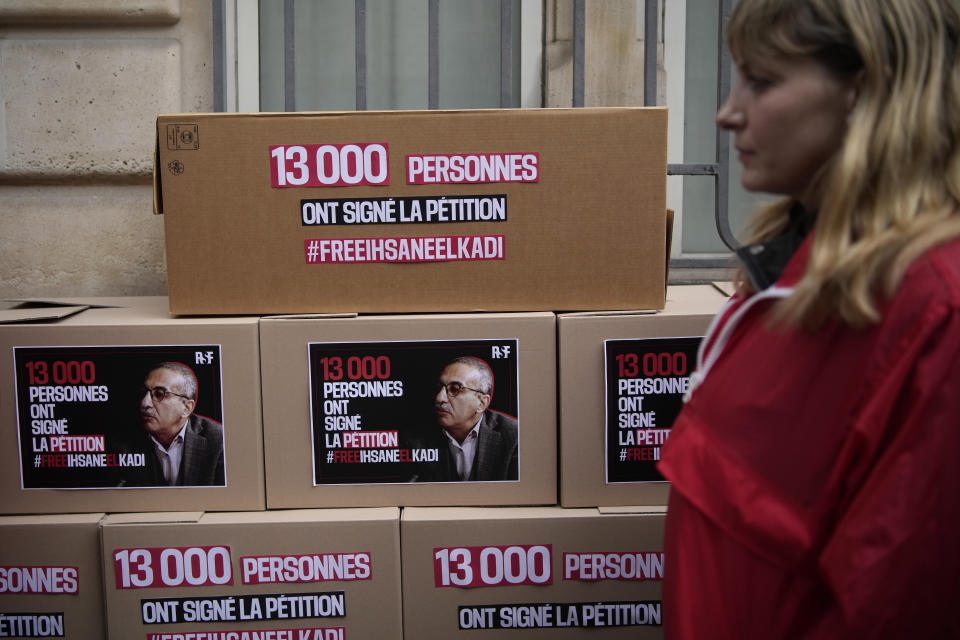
(730, 115)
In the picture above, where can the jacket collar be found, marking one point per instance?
(765, 263)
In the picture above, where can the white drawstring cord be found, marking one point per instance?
(705, 359)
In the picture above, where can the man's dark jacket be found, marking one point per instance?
(201, 465)
(496, 453)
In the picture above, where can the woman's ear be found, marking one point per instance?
(853, 90)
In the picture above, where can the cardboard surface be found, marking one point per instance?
(592, 471)
(328, 382)
(321, 575)
(71, 428)
(50, 577)
(574, 217)
(502, 573)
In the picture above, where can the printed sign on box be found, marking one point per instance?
(86, 414)
(393, 412)
(298, 574)
(49, 589)
(645, 383)
(476, 571)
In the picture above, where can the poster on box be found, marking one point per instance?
(417, 411)
(92, 417)
(645, 383)
(430, 210)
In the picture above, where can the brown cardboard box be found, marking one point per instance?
(312, 574)
(72, 438)
(349, 419)
(622, 378)
(50, 577)
(573, 218)
(495, 573)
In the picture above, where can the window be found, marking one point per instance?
(455, 54)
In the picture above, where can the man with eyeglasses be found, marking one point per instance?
(474, 442)
(182, 448)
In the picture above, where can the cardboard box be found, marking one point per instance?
(50, 577)
(490, 573)
(622, 378)
(73, 434)
(417, 211)
(350, 417)
(313, 574)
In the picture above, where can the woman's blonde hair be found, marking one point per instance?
(892, 190)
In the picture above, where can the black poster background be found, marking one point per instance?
(622, 460)
(122, 370)
(417, 364)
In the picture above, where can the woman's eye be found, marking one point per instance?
(757, 82)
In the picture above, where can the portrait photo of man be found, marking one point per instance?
(474, 443)
(180, 448)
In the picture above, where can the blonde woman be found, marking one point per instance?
(815, 467)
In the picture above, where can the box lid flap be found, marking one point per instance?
(310, 316)
(48, 309)
(39, 313)
(158, 517)
(652, 510)
(48, 519)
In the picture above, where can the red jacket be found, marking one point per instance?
(816, 476)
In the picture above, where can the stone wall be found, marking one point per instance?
(81, 84)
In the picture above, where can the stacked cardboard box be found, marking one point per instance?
(73, 378)
(622, 377)
(310, 574)
(50, 577)
(349, 415)
(493, 571)
(389, 212)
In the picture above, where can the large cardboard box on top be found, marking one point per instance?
(50, 577)
(416, 211)
(352, 410)
(72, 405)
(622, 378)
(506, 572)
(315, 574)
